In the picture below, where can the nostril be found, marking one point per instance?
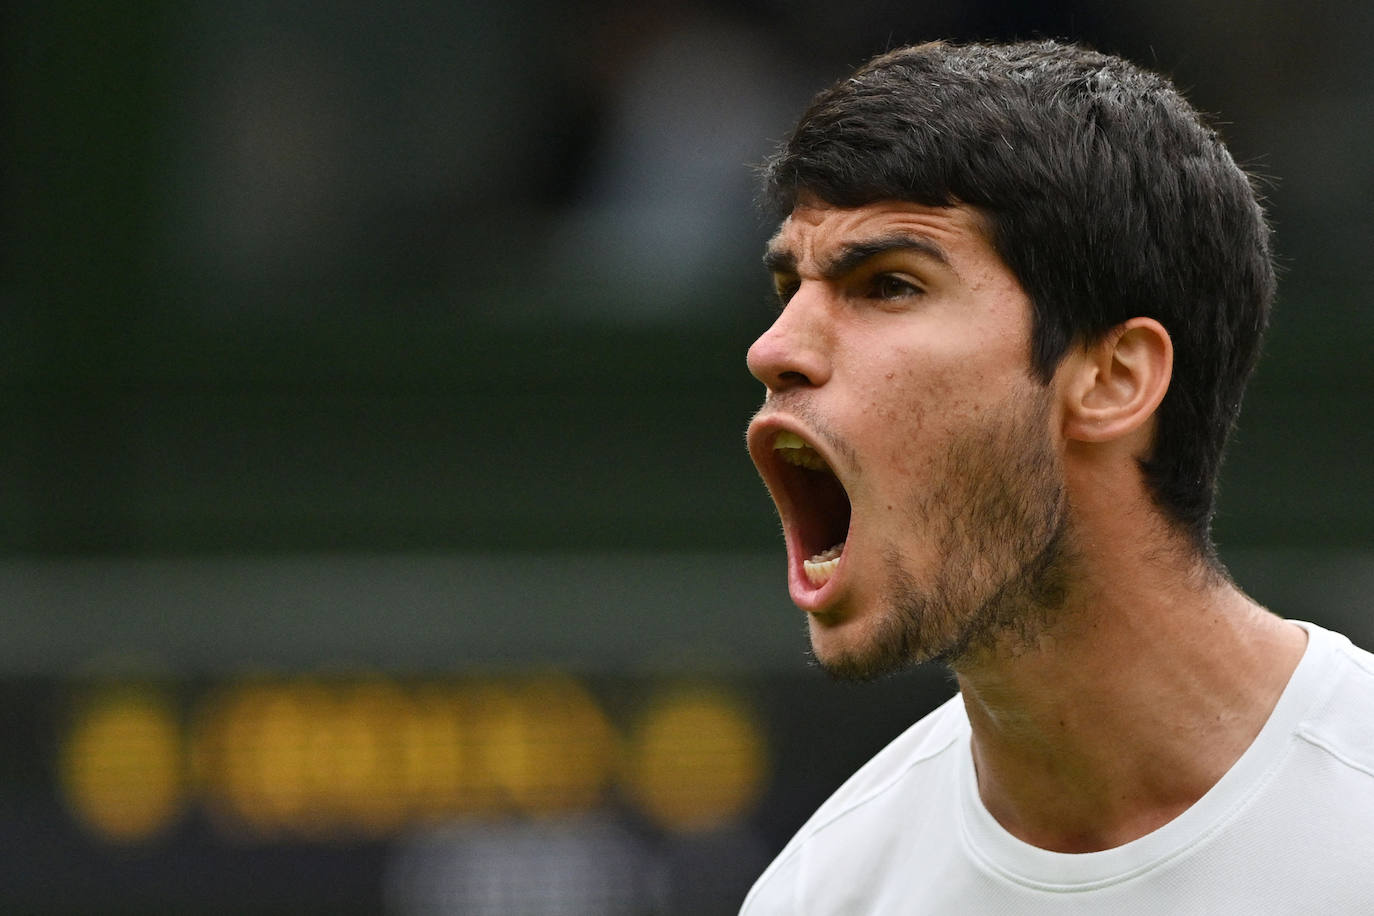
(789, 354)
(780, 374)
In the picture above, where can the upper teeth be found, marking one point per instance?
(794, 450)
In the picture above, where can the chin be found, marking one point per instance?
(861, 650)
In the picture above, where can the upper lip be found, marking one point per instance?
(763, 432)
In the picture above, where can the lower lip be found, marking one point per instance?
(806, 595)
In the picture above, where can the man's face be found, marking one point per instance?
(907, 445)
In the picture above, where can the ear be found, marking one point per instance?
(1114, 386)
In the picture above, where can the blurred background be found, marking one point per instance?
(376, 532)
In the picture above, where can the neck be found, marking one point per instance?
(1144, 688)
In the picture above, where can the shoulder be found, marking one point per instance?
(1309, 830)
(855, 823)
(1338, 722)
(918, 747)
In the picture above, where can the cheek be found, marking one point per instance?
(911, 415)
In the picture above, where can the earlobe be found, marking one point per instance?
(1114, 387)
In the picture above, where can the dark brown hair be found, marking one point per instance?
(1102, 189)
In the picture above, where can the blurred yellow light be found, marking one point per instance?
(368, 783)
(697, 759)
(318, 760)
(337, 759)
(547, 743)
(432, 766)
(121, 765)
(261, 758)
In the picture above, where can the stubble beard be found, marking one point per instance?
(997, 520)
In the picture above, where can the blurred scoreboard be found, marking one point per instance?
(311, 759)
(541, 791)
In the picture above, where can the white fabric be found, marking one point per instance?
(1289, 829)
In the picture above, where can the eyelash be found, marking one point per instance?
(892, 282)
(897, 287)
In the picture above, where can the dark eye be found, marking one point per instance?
(785, 289)
(892, 286)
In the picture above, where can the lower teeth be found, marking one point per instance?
(822, 566)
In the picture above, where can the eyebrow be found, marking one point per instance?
(780, 260)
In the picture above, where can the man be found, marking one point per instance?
(1021, 290)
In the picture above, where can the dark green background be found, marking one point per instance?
(375, 393)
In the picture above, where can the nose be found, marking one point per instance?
(794, 352)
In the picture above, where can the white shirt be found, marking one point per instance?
(1288, 829)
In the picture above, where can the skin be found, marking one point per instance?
(1111, 675)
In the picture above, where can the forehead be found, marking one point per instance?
(814, 231)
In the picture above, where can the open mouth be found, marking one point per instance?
(814, 506)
